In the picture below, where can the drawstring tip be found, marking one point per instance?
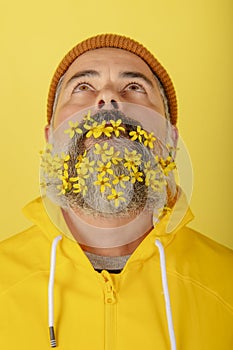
(52, 337)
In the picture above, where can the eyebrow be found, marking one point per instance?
(94, 73)
(136, 75)
(84, 73)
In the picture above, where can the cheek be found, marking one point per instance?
(150, 101)
(63, 113)
(74, 105)
(137, 98)
(156, 103)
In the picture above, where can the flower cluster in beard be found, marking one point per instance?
(110, 166)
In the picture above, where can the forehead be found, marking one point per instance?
(104, 58)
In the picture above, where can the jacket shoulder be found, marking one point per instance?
(205, 263)
(21, 255)
(196, 242)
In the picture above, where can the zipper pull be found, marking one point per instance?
(109, 293)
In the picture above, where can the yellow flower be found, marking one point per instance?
(115, 159)
(79, 182)
(133, 160)
(73, 129)
(149, 170)
(149, 140)
(57, 167)
(104, 151)
(116, 196)
(65, 157)
(46, 157)
(65, 165)
(155, 184)
(116, 126)
(53, 165)
(48, 149)
(88, 118)
(103, 182)
(137, 134)
(96, 130)
(86, 166)
(171, 150)
(74, 179)
(120, 179)
(50, 165)
(64, 187)
(104, 168)
(80, 159)
(82, 176)
(108, 131)
(136, 176)
(43, 184)
(66, 184)
(77, 188)
(167, 165)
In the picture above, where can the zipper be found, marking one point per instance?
(110, 304)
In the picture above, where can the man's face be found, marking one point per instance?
(100, 76)
(109, 158)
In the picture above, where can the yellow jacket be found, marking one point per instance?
(123, 311)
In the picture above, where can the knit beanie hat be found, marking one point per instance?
(120, 42)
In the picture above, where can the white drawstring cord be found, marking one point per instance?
(166, 294)
(50, 291)
(164, 283)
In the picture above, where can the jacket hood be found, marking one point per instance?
(166, 228)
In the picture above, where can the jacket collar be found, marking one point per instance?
(36, 212)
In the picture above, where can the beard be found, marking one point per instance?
(112, 176)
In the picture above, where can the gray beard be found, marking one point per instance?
(137, 196)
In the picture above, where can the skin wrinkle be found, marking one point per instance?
(136, 75)
(110, 74)
(109, 85)
(85, 73)
(132, 74)
(94, 73)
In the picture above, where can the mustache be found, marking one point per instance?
(78, 144)
(113, 114)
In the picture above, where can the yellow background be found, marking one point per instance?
(193, 40)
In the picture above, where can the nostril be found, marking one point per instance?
(115, 104)
(101, 103)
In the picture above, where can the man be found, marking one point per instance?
(110, 213)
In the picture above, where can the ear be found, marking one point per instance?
(46, 132)
(175, 135)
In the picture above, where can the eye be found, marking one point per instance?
(136, 87)
(82, 87)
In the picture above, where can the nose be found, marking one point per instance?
(108, 99)
(112, 103)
